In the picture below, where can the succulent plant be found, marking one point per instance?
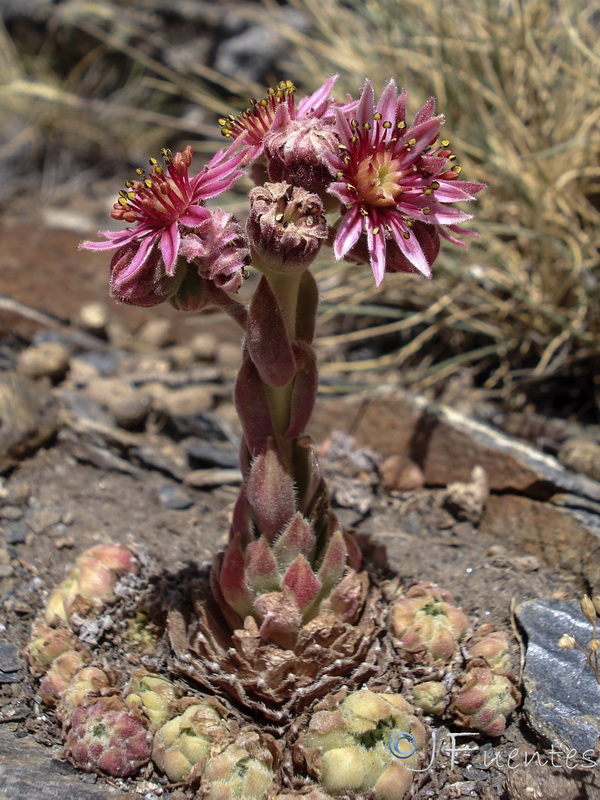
(289, 607)
(105, 737)
(90, 583)
(183, 744)
(427, 624)
(152, 694)
(45, 645)
(350, 747)
(494, 647)
(483, 700)
(430, 697)
(89, 682)
(60, 675)
(244, 769)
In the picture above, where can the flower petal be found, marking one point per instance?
(348, 232)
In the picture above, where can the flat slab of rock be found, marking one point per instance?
(562, 700)
(28, 771)
(535, 502)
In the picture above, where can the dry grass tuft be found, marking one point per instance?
(519, 85)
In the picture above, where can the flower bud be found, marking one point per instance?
(588, 610)
(104, 737)
(286, 226)
(293, 148)
(566, 642)
(148, 283)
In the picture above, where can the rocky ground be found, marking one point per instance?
(117, 425)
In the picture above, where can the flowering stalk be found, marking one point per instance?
(356, 176)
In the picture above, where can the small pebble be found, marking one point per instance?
(11, 512)
(204, 346)
(6, 571)
(173, 498)
(582, 455)
(229, 356)
(182, 357)
(15, 532)
(398, 472)
(93, 317)
(188, 401)
(156, 333)
(45, 360)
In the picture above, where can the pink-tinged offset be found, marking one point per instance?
(389, 176)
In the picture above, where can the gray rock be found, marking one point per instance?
(15, 532)
(174, 498)
(28, 418)
(562, 700)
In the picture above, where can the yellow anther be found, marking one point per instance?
(387, 124)
(339, 174)
(375, 230)
(427, 191)
(377, 115)
(456, 168)
(354, 139)
(406, 234)
(452, 158)
(354, 123)
(427, 211)
(139, 171)
(412, 142)
(445, 142)
(131, 196)
(148, 183)
(153, 162)
(367, 126)
(278, 217)
(435, 184)
(401, 125)
(122, 201)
